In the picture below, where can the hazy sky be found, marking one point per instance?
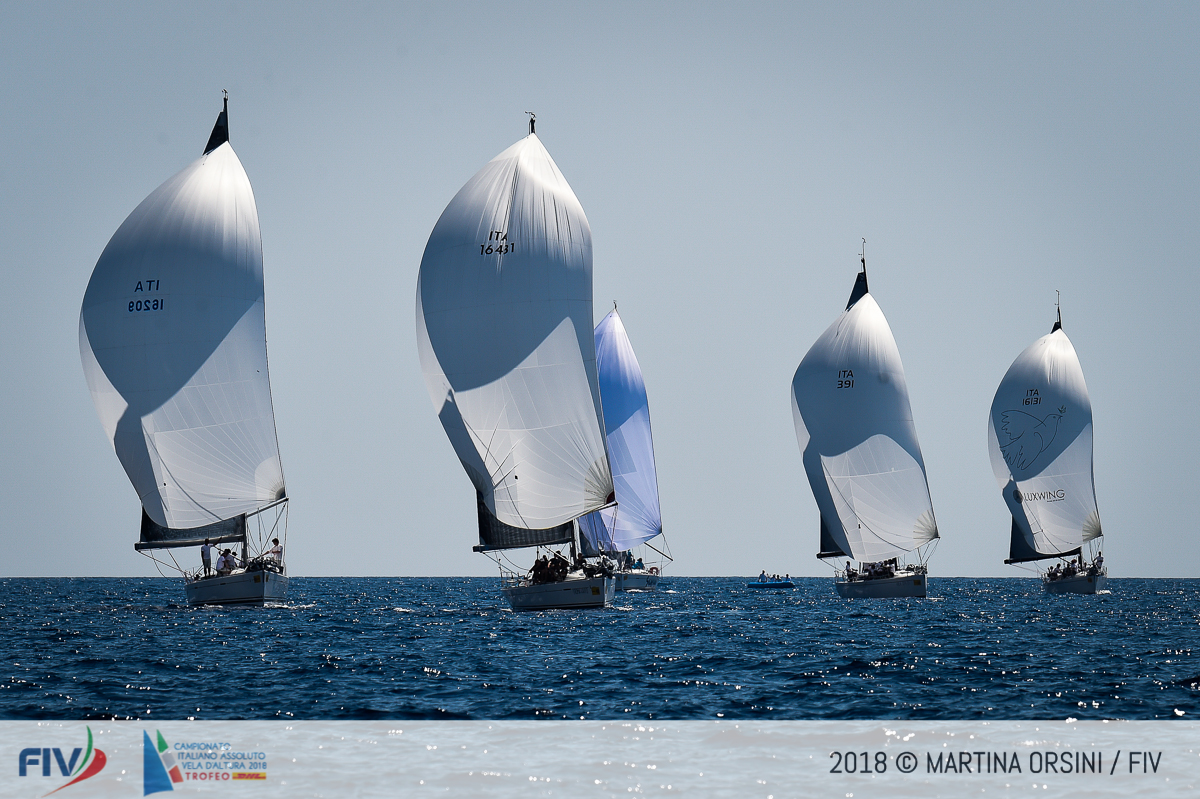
(729, 158)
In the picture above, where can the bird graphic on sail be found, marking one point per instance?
(1023, 436)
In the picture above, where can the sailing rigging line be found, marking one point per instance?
(924, 556)
(158, 564)
(659, 551)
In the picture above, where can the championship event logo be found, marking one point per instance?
(79, 769)
(159, 770)
(166, 765)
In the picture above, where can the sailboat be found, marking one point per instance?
(864, 465)
(1040, 442)
(635, 520)
(504, 334)
(172, 335)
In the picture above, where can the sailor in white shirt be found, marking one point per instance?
(227, 562)
(206, 557)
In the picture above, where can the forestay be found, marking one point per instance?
(172, 335)
(856, 432)
(504, 334)
(1040, 442)
(635, 519)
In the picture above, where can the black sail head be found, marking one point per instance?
(220, 131)
(860, 289)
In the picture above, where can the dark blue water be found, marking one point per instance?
(448, 648)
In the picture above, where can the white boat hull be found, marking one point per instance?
(570, 594)
(902, 585)
(1079, 584)
(243, 588)
(639, 580)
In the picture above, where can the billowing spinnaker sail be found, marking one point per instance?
(855, 429)
(504, 333)
(172, 335)
(1040, 442)
(635, 519)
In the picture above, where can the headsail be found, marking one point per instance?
(636, 518)
(172, 334)
(856, 432)
(1040, 442)
(504, 333)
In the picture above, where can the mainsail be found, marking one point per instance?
(504, 334)
(635, 519)
(172, 334)
(855, 430)
(1040, 442)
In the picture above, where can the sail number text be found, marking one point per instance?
(148, 304)
(845, 378)
(1032, 398)
(497, 244)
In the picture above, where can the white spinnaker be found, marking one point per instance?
(1040, 443)
(636, 517)
(855, 429)
(172, 335)
(504, 334)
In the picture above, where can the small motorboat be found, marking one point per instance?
(771, 584)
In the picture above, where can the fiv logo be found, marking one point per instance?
(35, 761)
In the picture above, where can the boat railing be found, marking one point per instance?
(1090, 571)
(265, 563)
(903, 570)
(510, 579)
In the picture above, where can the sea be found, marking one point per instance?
(697, 648)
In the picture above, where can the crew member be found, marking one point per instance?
(206, 557)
